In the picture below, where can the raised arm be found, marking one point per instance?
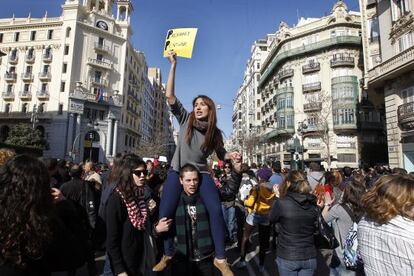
(170, 94)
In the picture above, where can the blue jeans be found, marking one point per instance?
(107, 267)
(229, 215)
(296, 268)
(209, 194)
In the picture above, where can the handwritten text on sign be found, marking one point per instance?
(180, 41)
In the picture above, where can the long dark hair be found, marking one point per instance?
(353, 193)
(126, 183)
(213, 137)
(26, 210)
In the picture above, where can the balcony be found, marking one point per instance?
(346, 145)
(101, 47)
(24, 115)
(99, 63)
(47, 57)
(309, 87)
(394, 66)
(25, 95)
(10, 76)
(284, 90)
(310, 107)
(108, 98)
(369, 125)
(283, 74)
(45, 76)
(313, 128)
(311, 67)
(42, 94)
(99, 82)
(342, 61)
(406, 116)
(339, 127)
(275, 58)
(345, 79)
(8, 96)
(13, 59)
(28, 76)
(30, 58)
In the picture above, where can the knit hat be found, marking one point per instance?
(264, 174)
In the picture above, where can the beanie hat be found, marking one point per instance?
(264, 174)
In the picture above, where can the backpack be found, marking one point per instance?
(352, 256)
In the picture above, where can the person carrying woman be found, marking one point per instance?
(199, 137)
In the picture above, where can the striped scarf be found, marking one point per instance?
(136, 207)
(193, 240)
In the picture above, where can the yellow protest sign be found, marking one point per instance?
(180, 41)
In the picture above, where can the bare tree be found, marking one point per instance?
(158, 146)
(318, 108)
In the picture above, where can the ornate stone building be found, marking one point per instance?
(77, 77)
(388, 38)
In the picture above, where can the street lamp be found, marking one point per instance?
(302, 126)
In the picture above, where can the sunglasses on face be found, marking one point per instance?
(227, 167)
(139, 172)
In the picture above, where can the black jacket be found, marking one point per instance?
(297, 217)
(230, 187)
(124, 243)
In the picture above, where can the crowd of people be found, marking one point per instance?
(153, 219)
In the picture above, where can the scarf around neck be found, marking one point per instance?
(136, 207)
(200, 125)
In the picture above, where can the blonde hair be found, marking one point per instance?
(6, 155)
(295, 182)
(391, 195)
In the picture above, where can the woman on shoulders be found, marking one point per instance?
(198, 138)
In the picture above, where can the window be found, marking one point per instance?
(346, 157)
(10, 88)
(99, 57)
(405, 42)
(101, 115)
(101, 41)
(68, 29)
(373, 27)
(1, 37)
(126, 140)
(29, 70)
(46, 69)
(41, 108)
(62, 86)
(257, 77)
(7, 108)
(24, 107)
(408, 94)
(16, 36)
(33, 35)
(26, 88)
(344, 116)
(60, 111)
(66, 50)
(64, 68)
(49, 34)
(44, 87)
(399, 8)
(30, 53)
(258, 66)
(98, 75)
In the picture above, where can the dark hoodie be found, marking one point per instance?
(297, 216)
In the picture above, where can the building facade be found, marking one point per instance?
(78, 76)
(309, 93)
(388, 38)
